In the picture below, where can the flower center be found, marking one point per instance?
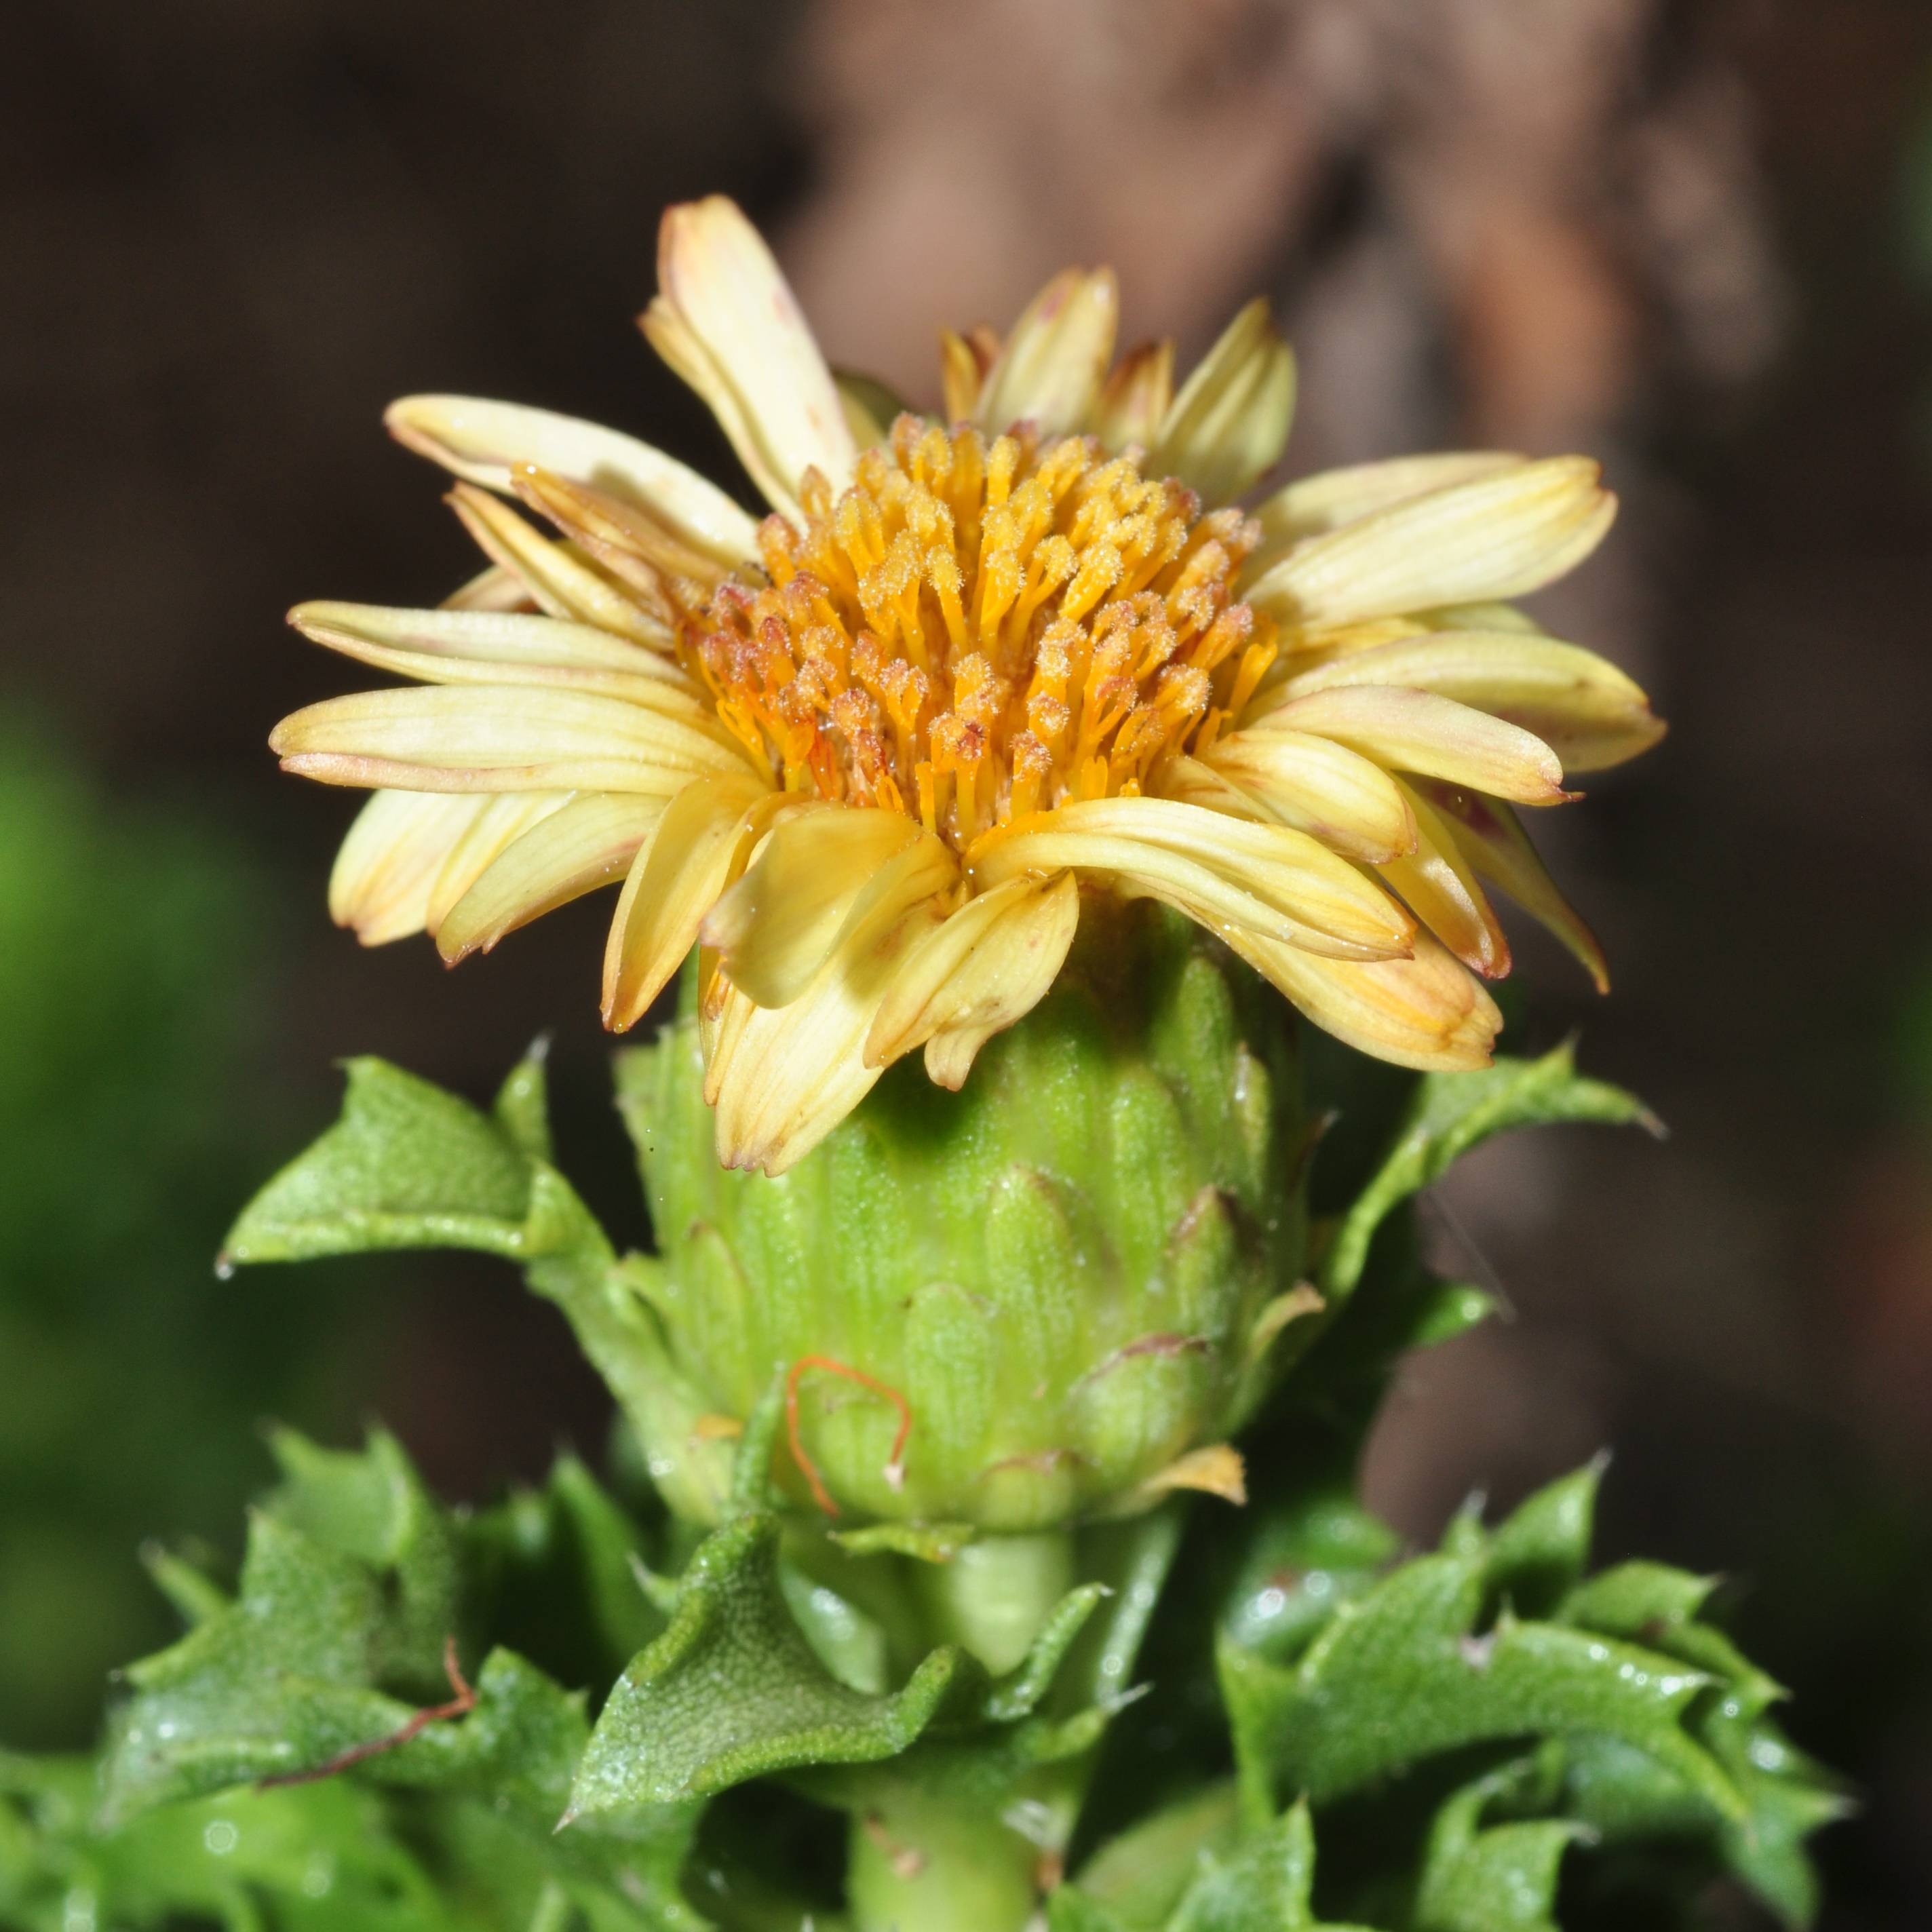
(971, 633)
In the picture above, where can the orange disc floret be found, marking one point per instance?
(972, 633)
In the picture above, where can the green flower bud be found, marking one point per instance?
(1050, 1295)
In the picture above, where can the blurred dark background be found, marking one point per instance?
(1694, 238)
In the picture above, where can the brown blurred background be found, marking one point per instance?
(1695, 239)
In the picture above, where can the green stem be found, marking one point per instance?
(997, 1592)
(921, 1863)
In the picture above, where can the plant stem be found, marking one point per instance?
(922, 1863)
(996, 1593)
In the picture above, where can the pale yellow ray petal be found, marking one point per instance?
(1581, 705)
(487, 738)
(588, 843)
(1189, 782)
(1138, 393)
(1228, 427)
(1493, 840)
(560, 582)
(1278, 864)
(1051, 368)
(638, 551)
(1437, 885)
(726, 320)
(916, 1003)
(701, 845)
(494, 647)
(1498, 536)
(1007, 974)
(1311, 504)
(1418, 731)
(493, 588)
(1213, 868)
(483, 442)
(1319, 787)
(506, 816)
(1426, 1012)
(388, 865)
(784, 1077)
(1478, 617)
(772, 928)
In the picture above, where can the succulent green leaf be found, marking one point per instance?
(281, 1681)
(320, 1856)
(373, 1508)
(1451, 1308)
(1264, 1887)
(929, 1542)
(522, 1108)
(408, 1166)
(1139, 1878)
(1502, 1878)
(732, 1690)
(1451, 1113)
(1403, 1673)
(195, 1595)
(1536, 1556)
(1305, 1556)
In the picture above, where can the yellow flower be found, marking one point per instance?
(869, 754)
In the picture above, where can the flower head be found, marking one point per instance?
(867, 755)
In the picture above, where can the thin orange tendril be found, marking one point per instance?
(896, 1462)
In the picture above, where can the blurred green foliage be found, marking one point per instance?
(135, 972)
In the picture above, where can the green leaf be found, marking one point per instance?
(321, 1856)
(1450, 1114)
(1139, 1877)
(1500, 1880)
(282, 1680)
(1537, 1555)
(1264, 1887)
(1401, 1674)
(372, 1506)
(732, 1690)
(1306, 1555)
(408, 1165)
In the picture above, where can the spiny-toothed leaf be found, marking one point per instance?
(522, 1108)
(731, 1690)
(1264, 1886)
(321, 1856)
(605, 1540)
(279, 1682)
(373, 1507)
(1766, 1850)
(407, 1166)
(1139, 1876)
(1500, 1879)
(1131, 1559)
(195, 1595)
(1015, 1695)
(1452, 1113)
(1402, 1674)
(1305, 1556)
(1538, 1554)
(1451, 1309)
(1071, 1910)
(1641, 1600)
